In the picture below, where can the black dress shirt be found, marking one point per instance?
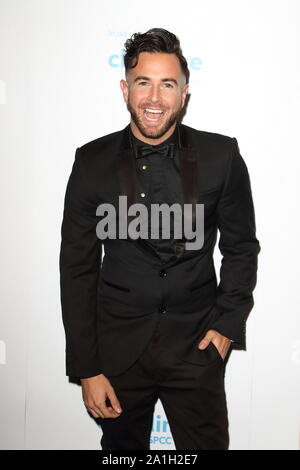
(159, 182)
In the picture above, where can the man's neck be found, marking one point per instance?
(148, 140)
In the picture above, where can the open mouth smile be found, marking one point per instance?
(153, 115)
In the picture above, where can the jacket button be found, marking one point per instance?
(162, 273)
(162, 309)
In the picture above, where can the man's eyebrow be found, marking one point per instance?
(141, 77)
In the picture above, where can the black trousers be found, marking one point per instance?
(193, 397)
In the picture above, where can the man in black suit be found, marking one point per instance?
(148, 320)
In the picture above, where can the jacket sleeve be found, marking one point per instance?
(80, 262)
(239, 248)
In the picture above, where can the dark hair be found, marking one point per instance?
(154, 40)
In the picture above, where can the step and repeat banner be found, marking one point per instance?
(61, 62)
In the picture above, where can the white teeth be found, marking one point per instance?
(155, 111)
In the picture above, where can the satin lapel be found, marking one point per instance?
(188, 171)
(127, 170)
(189, 178)
(127, 177)
(128, 186)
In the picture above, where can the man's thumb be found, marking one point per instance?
(204, 342)
(115, 403)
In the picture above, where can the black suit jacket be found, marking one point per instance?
(111, 306)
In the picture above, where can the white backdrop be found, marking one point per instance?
(60, 68)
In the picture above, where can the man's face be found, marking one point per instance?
(155, 93)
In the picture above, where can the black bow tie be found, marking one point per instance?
(166, 150)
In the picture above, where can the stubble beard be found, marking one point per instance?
(153, 133)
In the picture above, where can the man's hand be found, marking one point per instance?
(221, 342)
(95, 390)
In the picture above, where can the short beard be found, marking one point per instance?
(153, 133)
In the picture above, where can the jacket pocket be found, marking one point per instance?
(217, 351)
(116, 286)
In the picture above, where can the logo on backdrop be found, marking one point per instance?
(117, 61)
(160, 432)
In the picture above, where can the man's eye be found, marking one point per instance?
(168, 85)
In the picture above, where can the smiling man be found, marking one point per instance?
(155, 91)
(149, 321)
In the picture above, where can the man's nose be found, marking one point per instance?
(155, 94)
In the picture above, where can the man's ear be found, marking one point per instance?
(184, 94)
(124, 88)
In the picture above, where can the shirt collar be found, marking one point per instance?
(138, 143)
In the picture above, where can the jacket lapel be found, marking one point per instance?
(188, 171)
